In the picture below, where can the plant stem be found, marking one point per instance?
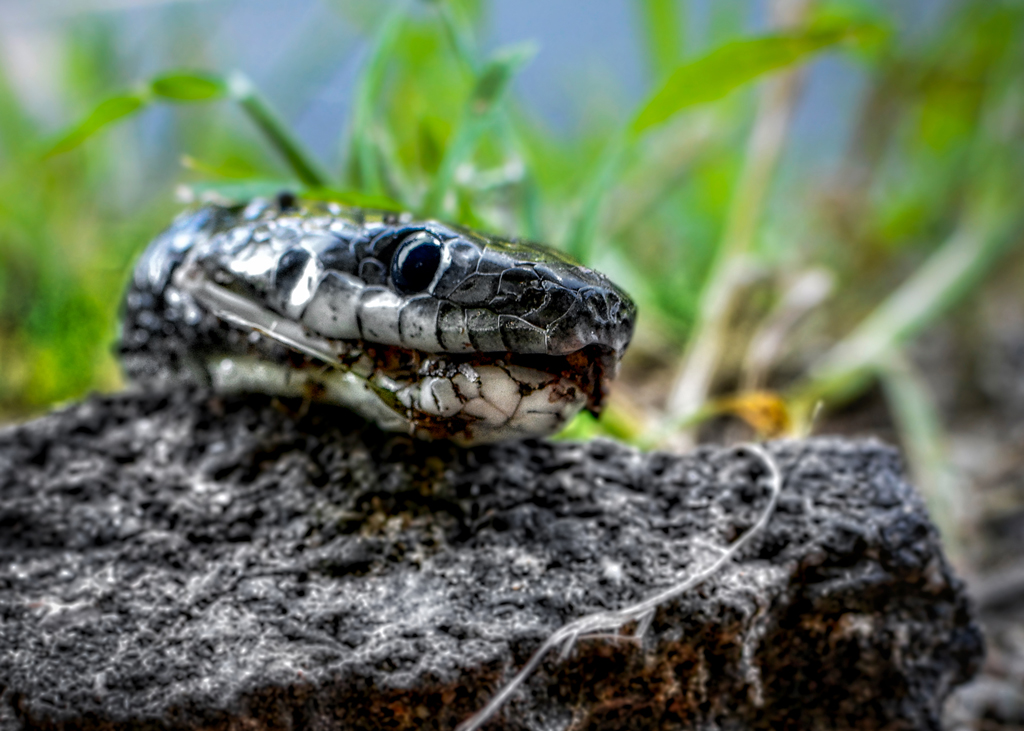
(302, 163)
(991, 221)
(481, 111)
(580, 242)
(920, 428)
(363, 160)
(694, 380)
(951, 271)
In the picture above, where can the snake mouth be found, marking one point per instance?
(583, 374)
(589, 370)
(468, 398)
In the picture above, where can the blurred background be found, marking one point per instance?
(816, 204)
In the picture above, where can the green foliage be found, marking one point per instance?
(110, 110)
(729, 67)
(647, 194)
(491, 83)
(364, 161)
(663, 34)
(705, 79)
(188, 87)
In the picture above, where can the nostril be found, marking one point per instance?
(597, 305)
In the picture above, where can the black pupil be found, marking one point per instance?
(416, 262)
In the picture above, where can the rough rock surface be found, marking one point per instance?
(187, 561)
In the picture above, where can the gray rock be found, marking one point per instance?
(185, 561)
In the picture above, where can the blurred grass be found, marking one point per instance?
(658, 195)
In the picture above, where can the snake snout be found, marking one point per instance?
(592, 315)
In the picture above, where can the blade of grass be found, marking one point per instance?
(583, 231)
(463, 45)
(173, 87)
(949, 274)
(363, 161)
(230, 169)
(804, 294)
(106, 113)
(663, 169)
(764, 148)
(989, 224)
(302, 163)
(693, 83)
(16, 126)
(662, 24)
(457, 31)
(530, 208)
(729, 67)
(354, 198)
(188, 86)
(491, 85)
(192, 87)
(921, 434)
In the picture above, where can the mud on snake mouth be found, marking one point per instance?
(417, 325)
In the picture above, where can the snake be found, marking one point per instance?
(418, 326)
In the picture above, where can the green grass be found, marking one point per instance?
(676, 197)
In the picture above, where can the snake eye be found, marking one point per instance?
(416, 262)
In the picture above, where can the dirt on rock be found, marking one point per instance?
(173, 561)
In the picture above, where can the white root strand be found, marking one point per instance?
(601, 624)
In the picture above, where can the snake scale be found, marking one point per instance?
(418, 326)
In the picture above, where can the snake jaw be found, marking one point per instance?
(505, 341)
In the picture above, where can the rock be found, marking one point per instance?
(187, 561)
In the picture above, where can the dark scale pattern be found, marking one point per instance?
(290, 268)
(289, 296)
(185, 561)
(339, 256)
(349, 274)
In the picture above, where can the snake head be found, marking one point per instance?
(418, 325)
